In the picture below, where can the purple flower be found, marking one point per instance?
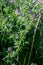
(36, 15)
(9, 49)
(17, 11)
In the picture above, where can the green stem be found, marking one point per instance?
(24, 62)
(33, 39)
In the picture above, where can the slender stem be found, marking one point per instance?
(24, 62)
(33, 39)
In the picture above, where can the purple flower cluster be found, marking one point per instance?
(9, 49)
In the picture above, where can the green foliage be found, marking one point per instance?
(21, 33)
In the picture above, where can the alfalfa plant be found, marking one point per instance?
(21, 33)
